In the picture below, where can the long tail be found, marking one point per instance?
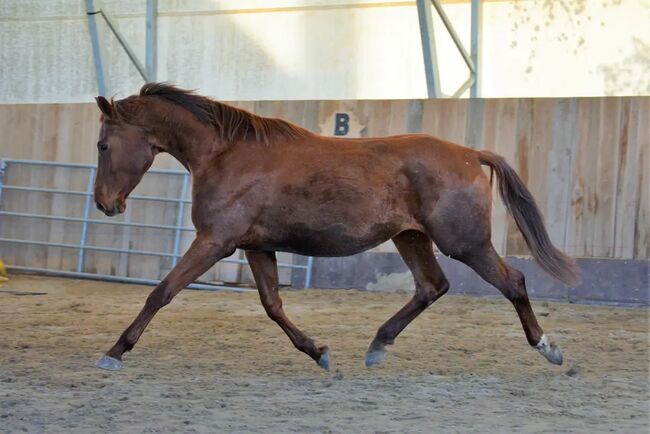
(523, 208)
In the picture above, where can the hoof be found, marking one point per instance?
(375, 357)
(550, 351)
(324, 361)
(109, 363)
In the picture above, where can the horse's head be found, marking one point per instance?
(126, 151)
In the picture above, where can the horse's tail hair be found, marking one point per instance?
(521, 204)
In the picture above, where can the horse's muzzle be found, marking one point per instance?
(111, 211)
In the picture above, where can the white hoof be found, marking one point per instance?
(324, 361)
(109, 363)
(549, 350)
(375, 357)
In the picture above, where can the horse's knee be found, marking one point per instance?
(273, 309)
(159, 298)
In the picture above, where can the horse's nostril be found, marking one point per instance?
(100, 207)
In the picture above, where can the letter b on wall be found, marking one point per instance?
(341, 124)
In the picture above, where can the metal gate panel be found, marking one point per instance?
(65, 204)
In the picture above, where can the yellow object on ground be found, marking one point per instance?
(3, 273)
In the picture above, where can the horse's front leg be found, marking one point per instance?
(265, 270)
(201, 255)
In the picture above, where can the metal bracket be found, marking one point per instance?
(429, 49)
(147, 73)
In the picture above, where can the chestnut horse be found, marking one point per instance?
(265, 185)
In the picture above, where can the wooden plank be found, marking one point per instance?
(376, 114)
(295, 111)
(474, 126)
(606, 178)
(541, 146)
(431, 117)
(399, 117)
(561, 164)
(627, 192)
(515, 243)
(415, 108)
(453, 119)
(310, 116)
(580, 219)
(642, 221)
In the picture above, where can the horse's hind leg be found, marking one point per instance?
(265, 270)
(510, 281)
(430, 284)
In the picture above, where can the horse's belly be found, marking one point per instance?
(332, 240)
(337, 239)
(334, 213)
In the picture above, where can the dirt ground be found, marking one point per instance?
(213, 362)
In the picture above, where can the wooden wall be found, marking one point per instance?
(586, 161)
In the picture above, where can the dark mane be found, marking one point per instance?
(232, 124)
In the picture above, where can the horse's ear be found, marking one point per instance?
(105, 106)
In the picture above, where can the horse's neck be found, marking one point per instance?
(191, 145)
(181, 159)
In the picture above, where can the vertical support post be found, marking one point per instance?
(84, 228)
(151, 39)
(429, 48)
(308, 271)
(179, 219)
(477, 46)
(3, 170)
(91, 13)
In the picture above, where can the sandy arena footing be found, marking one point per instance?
(213, 362)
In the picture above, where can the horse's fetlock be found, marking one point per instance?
(128, 345)
(384, 336)
(305, 345)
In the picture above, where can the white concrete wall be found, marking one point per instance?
(326, 49)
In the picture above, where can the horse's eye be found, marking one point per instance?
(102, 146)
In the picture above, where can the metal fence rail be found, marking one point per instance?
(82, 247)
